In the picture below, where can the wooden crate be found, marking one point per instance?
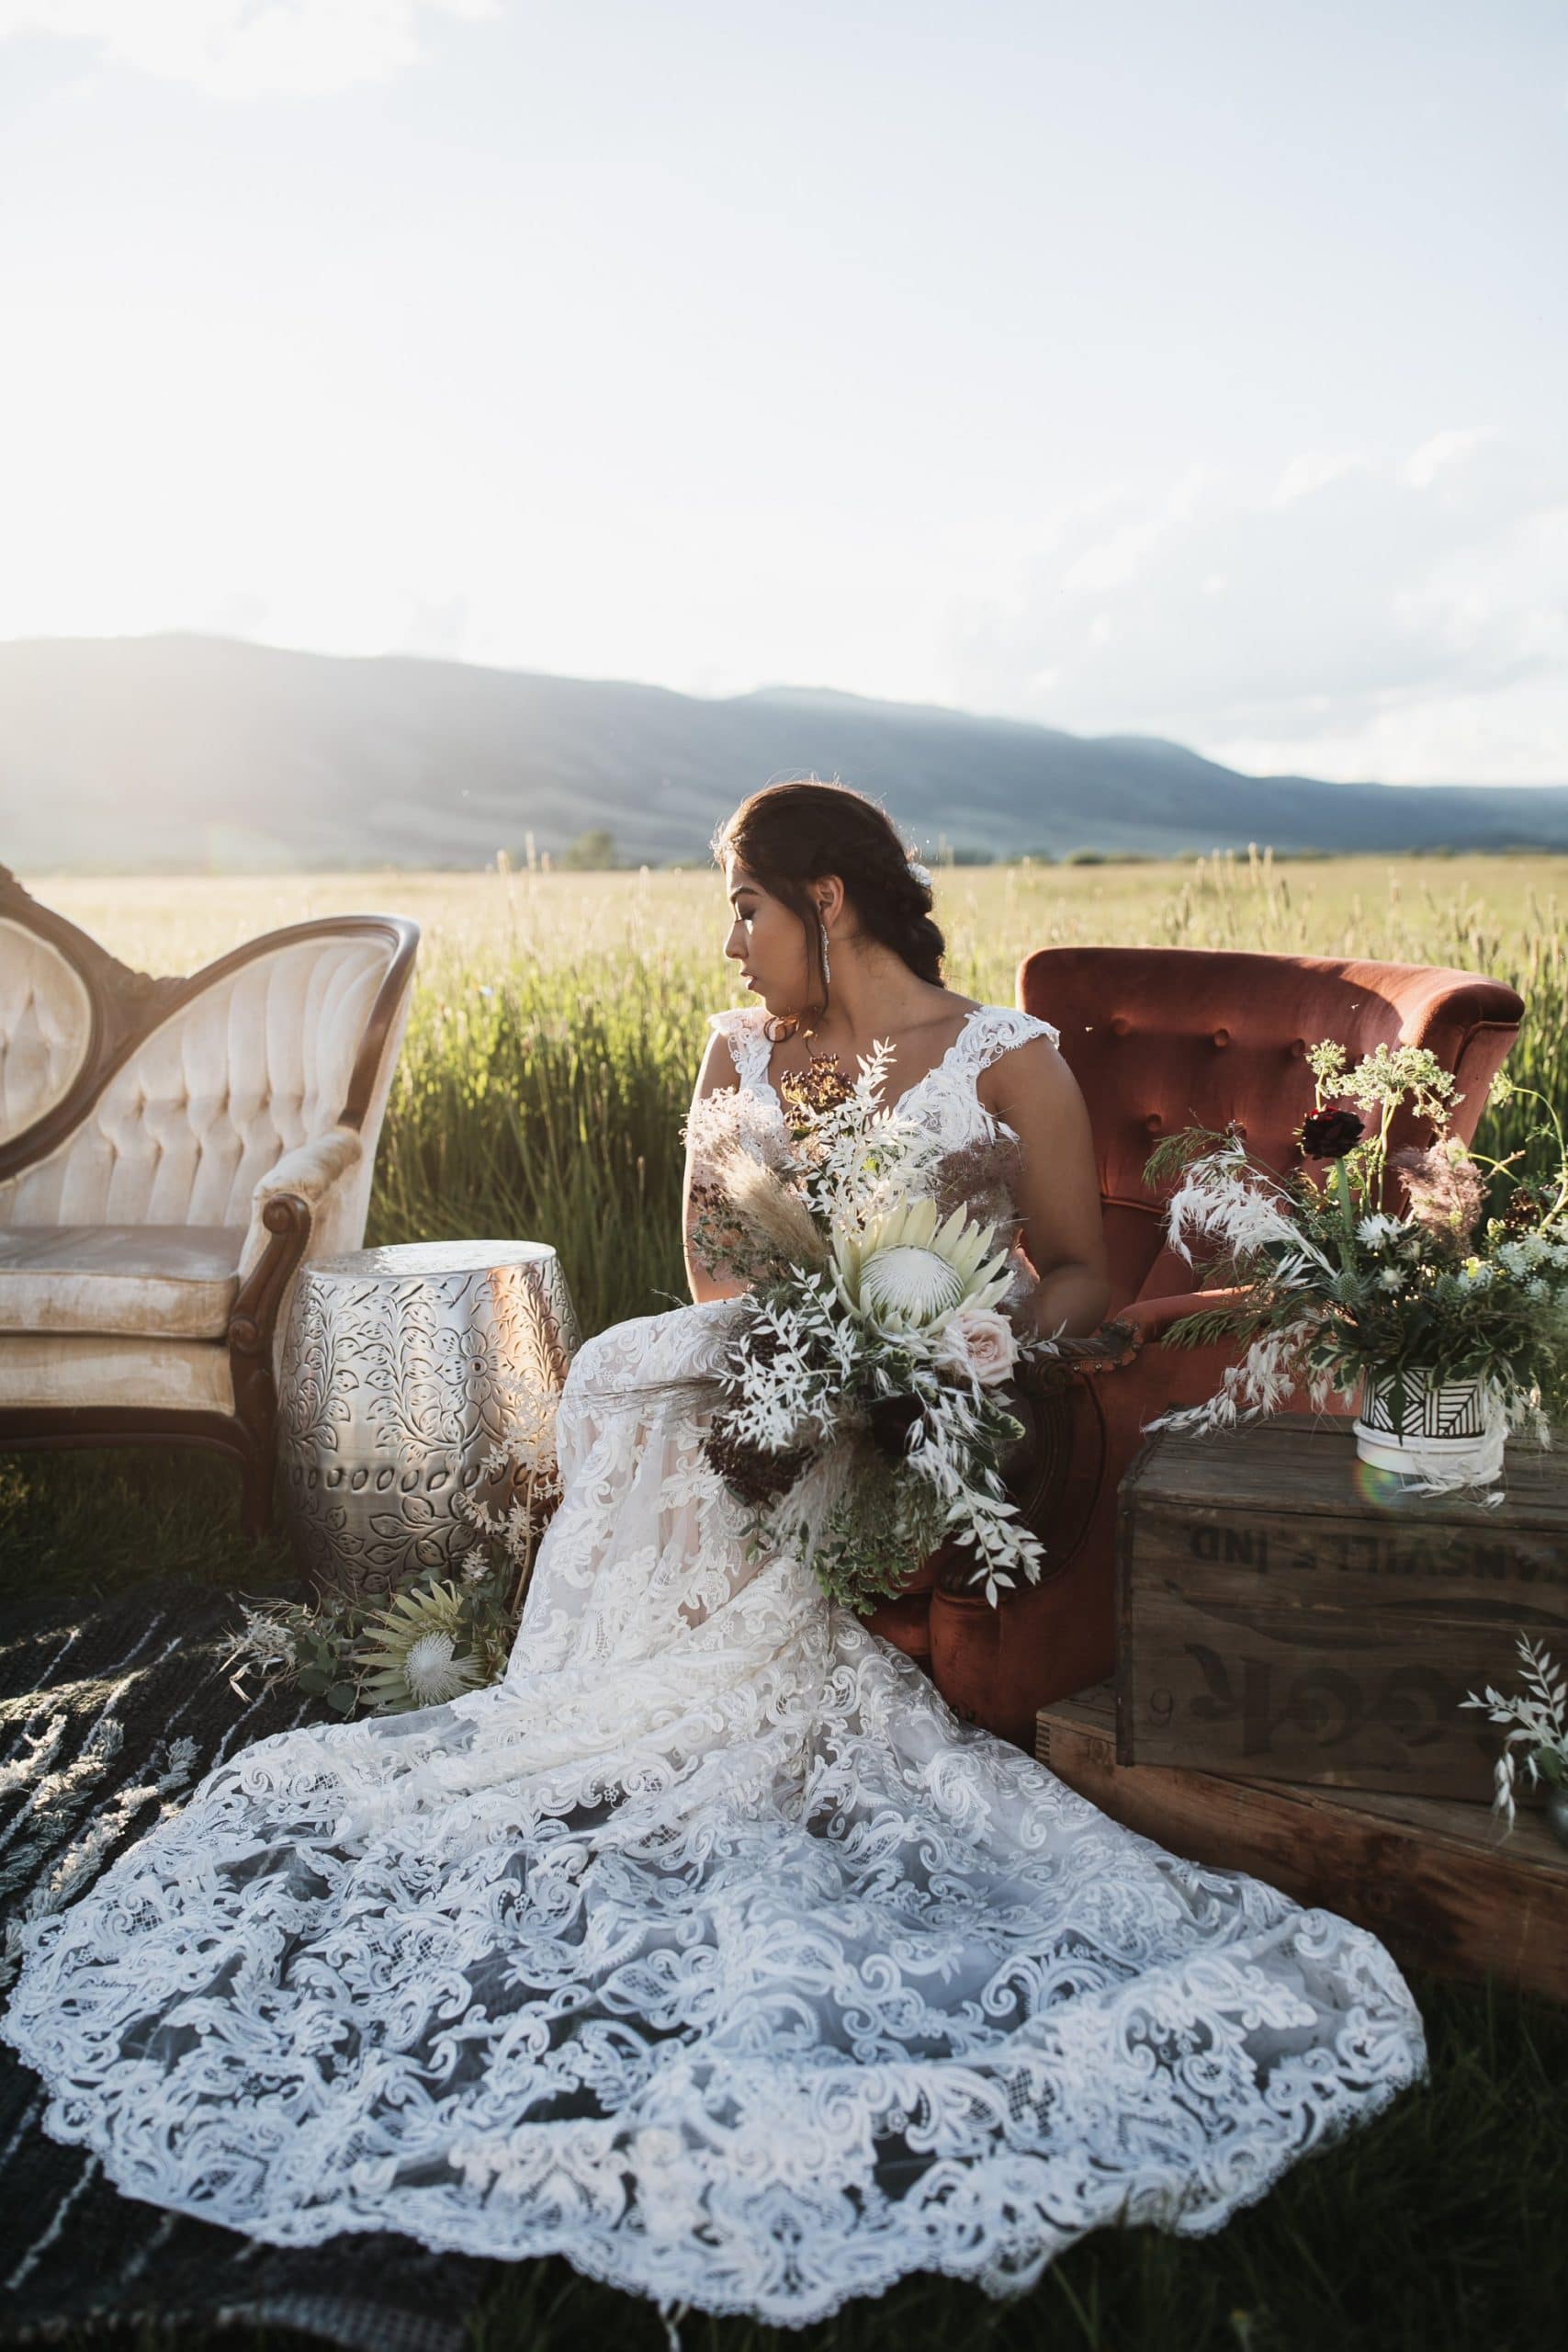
(1431, 1877)
(1284, 1612)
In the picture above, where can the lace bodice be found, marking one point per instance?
(946, 1096)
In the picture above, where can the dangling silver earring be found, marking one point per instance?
(826, 969)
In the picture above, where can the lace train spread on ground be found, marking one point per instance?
(708, 1950)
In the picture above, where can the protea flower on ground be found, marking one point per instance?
(908, 1273)
(417, 1652)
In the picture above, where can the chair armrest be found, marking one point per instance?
(309, 1173)
(1107, 1348)
(1154, 1316)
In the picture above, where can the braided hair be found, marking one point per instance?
(789, 834)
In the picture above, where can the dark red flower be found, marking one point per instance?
(891, 1418)
(749, 1473)
(1329, 1134)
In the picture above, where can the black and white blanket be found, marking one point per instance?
(109, 1712)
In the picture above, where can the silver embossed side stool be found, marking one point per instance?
(403, 1369)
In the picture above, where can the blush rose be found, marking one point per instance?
(979, 1340)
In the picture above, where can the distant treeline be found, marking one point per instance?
(596, 852)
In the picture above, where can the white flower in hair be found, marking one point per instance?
(922, 874)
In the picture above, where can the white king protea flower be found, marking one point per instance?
(412, 1648)
(905, 1274)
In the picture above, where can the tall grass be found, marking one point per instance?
(546, 1101)
(558, 1018)
(556, 1030)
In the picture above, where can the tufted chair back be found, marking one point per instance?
(127, 1100)
(1165, 1038)
(247, 1066)
(46, 1026)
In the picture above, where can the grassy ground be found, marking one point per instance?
(557, 1026)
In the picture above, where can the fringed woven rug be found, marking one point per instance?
(109, 1713)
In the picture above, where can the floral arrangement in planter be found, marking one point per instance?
(439, 1634)
(1449, 1312)
(1539, 1724)
(861, 1409)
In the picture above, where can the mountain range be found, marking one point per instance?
(184, 753)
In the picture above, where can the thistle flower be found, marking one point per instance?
(1445, 1189)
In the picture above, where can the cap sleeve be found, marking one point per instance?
(737, 1026)
(1010, 1025)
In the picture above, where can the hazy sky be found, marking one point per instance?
(1197, 369)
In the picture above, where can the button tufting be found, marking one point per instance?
(1297, 1049)
(1119, 1024)
(1222, 1037)
(1154, 1123)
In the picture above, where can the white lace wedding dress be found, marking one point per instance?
(708, 1950)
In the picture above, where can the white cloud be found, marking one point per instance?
(1312, 469)
(245, 48)
(1404, 615)
(1112, 562)
(1424, 464)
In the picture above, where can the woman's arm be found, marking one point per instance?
(1057, 1192)
(717, 1075)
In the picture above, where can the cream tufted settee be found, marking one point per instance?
(171, 1151)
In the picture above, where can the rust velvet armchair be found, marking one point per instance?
(1159, 1038)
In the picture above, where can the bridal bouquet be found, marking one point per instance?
(1465, 1284)
(863, 1411)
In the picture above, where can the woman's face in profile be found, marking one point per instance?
(765, 939)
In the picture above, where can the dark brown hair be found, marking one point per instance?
(790, 834)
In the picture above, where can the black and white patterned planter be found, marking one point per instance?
(1442, 1431)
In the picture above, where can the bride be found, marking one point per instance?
(708, 1949)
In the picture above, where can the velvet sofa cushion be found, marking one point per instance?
(64, 1369)
(175, 1282)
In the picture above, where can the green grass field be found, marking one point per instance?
(555, 1034)
(558, 1018)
